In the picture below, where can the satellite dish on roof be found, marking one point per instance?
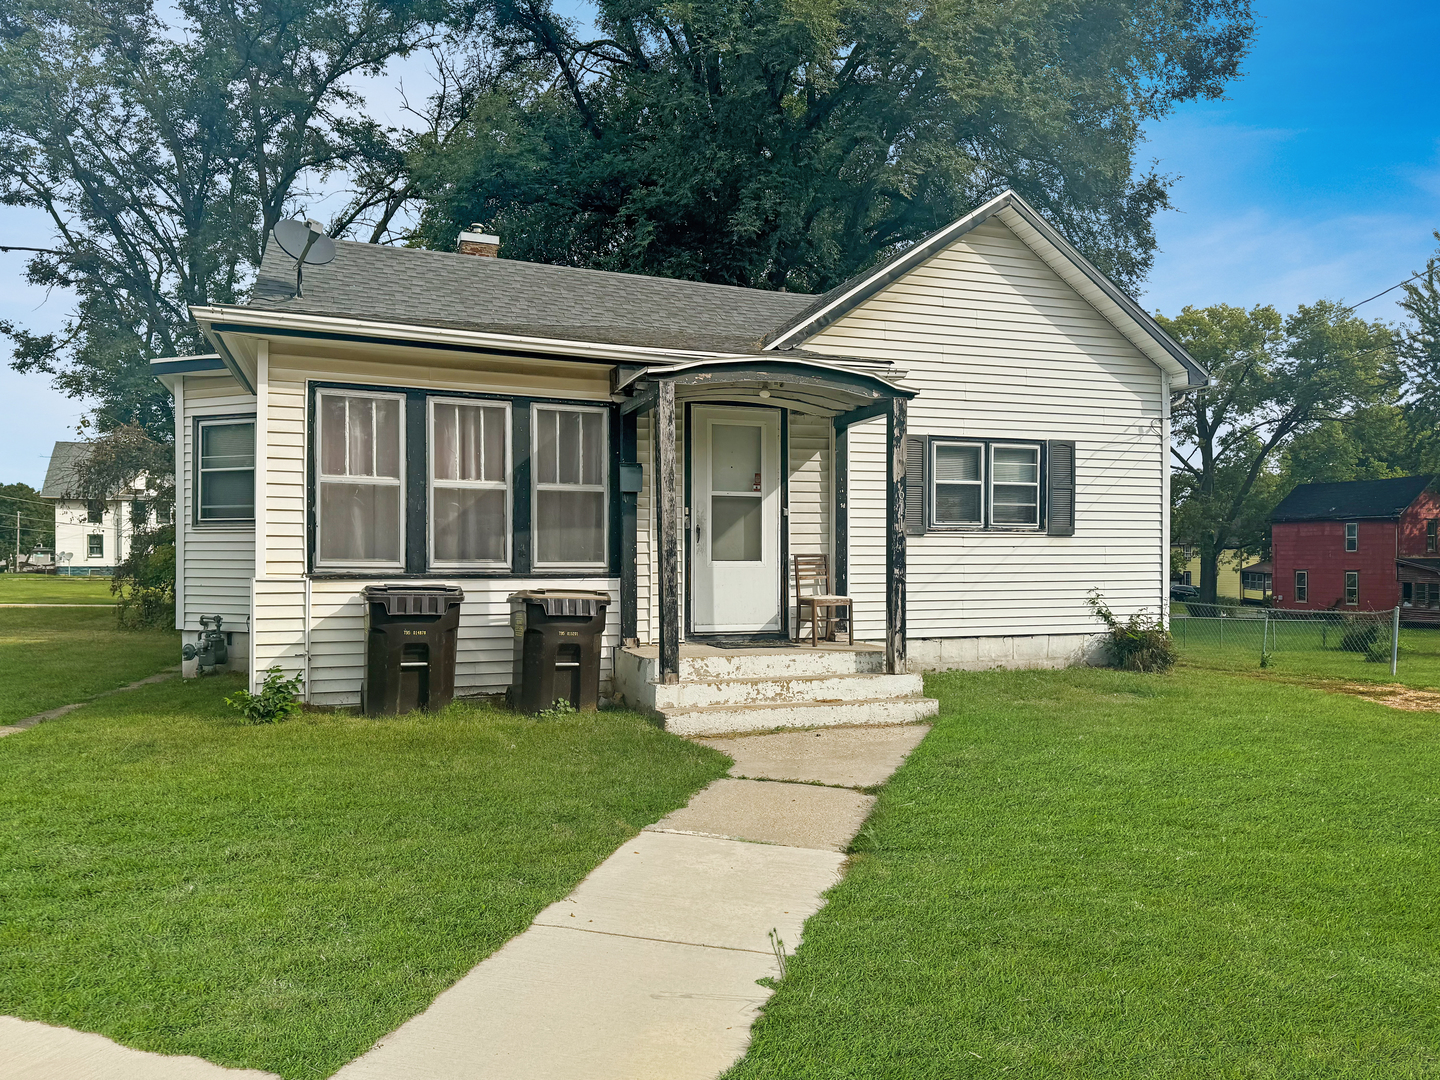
(305, 242)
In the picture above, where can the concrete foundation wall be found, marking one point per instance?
(982, 653)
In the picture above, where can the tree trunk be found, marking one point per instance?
(1209, 570)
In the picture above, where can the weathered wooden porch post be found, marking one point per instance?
(629, 534)
(895, 537)
(667, 524)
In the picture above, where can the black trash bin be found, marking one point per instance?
(410, 634)
(557, 648)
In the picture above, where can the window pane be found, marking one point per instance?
(227, 494)
(957, 463)
(494, 444)
(227, 446)
(570, 526)
(568, 447)
(735, 456)
(332, 435)
(360, 522)
(545, 468)
(957, 504)
(593, 449)
(735, 521)
(447, 443)
(387, 438)
(1014, 505)
(360, 437)
(1017, 465)
(470, 525)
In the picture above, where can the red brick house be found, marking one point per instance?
(1365, 545)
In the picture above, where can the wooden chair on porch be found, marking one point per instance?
(812, 592)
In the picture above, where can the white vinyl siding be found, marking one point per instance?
(999, 349)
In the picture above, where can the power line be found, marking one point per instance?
(1392, 288)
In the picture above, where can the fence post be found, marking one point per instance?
(1395, 641)
(1264, 636)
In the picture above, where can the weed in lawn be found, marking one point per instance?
(279, 698)
(279, 897)
(1221, 877)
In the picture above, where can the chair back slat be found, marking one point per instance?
(812, 572)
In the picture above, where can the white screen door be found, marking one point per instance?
(735, 520)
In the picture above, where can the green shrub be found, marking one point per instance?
(278, 699)
(1359, 636)
(1141, 643)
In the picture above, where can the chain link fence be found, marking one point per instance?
(1325, 643)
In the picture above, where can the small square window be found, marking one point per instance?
(1352, 587)
(1352, 536)
(95, 546)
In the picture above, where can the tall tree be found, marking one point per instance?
(21, 507)
(1420, 354)
(1275, 378)
(162, 144)
(783, 145)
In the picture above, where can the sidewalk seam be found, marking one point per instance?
(661, 940)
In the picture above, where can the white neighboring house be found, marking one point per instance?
(975, 432)
(96, 535)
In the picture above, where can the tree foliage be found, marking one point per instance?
(21, 505)
(1292, 384)
(790, 143)
(163, 143)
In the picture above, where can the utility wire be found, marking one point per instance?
(1392, 288)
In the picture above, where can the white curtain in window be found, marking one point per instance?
(571, 475)
(470, 470)
(360, 513)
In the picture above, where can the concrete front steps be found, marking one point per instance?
(728, 690)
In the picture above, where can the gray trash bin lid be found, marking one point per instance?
(565, 601)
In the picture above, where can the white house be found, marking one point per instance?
(975, 432)
(92, 536)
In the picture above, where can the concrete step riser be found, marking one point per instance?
(726, 721)
(694, 695)
(774, 666)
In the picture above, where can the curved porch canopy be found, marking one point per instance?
(803, 385)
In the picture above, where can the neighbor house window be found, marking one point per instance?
(139, 513)
(1432, 540)
(225, 473)
(95, 546)
(95, 511)
(957, 471)
(360, 450)
(1352, 587)
(570, 467)
(1015, 485)
(469, 483)
(1352, 535)
(1188, 580)
(1302, 586)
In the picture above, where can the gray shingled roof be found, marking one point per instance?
(505, 296)
(60, 476)
(1351, 500)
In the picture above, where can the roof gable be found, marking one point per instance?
(1047, 244)
(1351, 499)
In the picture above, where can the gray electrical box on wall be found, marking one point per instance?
(632, 479)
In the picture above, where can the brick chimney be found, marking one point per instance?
(476, 242)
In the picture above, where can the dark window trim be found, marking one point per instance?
(417, 520)
(1042, 445)
(217, 524)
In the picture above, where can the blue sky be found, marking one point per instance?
(1320, 177)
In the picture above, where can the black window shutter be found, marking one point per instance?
(915, 485)
(1060, 470)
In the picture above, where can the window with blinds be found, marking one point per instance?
(1015, 485)
(469, 483)
(570, 467)
(360, 441)
(958, 474)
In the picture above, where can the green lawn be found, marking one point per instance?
(1305, 650)
(1095, 874)
(51, 657)
(280, 897)
(45, 589)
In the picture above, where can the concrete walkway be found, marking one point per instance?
(648, 970)
(31, 1051)
(55, 714)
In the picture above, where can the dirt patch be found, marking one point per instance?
(1394, 695)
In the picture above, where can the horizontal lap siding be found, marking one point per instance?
(998, 347)
(218, 563)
